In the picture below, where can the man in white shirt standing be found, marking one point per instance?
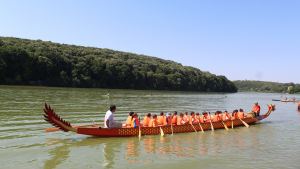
(109, 119)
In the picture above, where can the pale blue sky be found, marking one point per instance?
(241, 39)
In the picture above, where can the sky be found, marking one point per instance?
(248, 39)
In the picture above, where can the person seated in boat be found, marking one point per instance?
(197, 117)
(161, 118)
(146, 120)
(167, 119)
(135, 120)
(256, 109)
(216, 117)
(233, 115)
(285, 98)
(226, 116)
(180, 120)
(193, 119)
(174, 118)
(294, 99)
(153, 121)
(220, 115)
(236, 114)
(241, 114)
(110, 123)
(186, 118)
(129, 119)
(203, 117)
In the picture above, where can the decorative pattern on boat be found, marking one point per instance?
(128, 132)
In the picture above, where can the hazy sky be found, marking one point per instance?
(241, 39)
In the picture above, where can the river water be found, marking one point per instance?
(274, 143)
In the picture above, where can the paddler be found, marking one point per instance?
(198, 117)
(203, 117)
(193, 119)
(233, 115)
(241, 114)
(226, 116)
(180, 120)
(146, 120)
(186, 117)
(135, 120)
(216, 117)
(109, 119)
(294, 99)
(167, 119)
(256, 109)
(220, 115)
(153, 121)
(161, 118)
(174, 118)
(129, 119)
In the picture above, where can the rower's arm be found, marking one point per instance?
(107, 123)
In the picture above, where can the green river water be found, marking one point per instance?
(275, 143)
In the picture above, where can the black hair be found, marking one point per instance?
(112, 107)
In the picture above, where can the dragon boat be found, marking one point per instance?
(93, 130)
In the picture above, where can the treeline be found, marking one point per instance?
(272, 87)
(26, 62)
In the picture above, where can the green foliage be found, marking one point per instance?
(23, 60)
(261, 86)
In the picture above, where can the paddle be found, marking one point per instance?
(172, 127)
(256, 120)
(201, 127)
(225, 126)
(194, 128)
(245, 123)
(57, 129)
(212, 127)
(231, 123)
(161, 132)
(140, 134)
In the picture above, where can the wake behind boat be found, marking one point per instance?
(93, 130)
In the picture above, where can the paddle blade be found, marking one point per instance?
(161, 132)
(140, 133)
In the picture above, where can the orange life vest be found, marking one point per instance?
(202, 118)
(216, 118)
(151, 123)
(165, 120)
(160, 120)
(192, 119)
(220, 116)
(197, 118)
(179, 121)
(233, 117)
(226, 115)
(128, 122)
(185, 119)
(136, 120)
(241, 115)
(146, 121)
(256, 108)
(174, 120)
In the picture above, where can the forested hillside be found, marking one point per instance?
(32, 62)
(261, 86)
